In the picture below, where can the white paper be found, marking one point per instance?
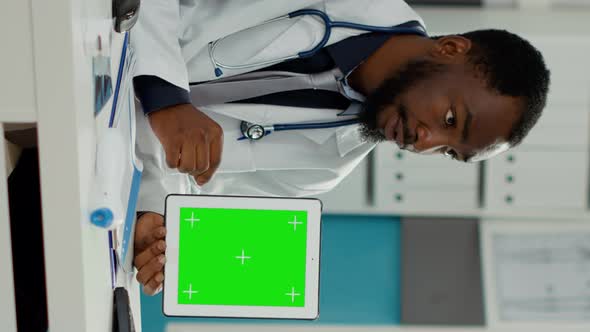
(542, 277)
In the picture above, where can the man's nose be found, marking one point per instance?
(428, 140)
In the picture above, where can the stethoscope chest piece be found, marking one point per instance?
(252, 131)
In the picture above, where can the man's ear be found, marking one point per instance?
(450, 48)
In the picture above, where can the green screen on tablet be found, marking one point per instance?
(242, 257)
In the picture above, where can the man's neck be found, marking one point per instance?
(395, 53)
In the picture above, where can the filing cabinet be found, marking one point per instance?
(550, 170)
(422, 201)
(541, 180)
(410, 184)
(565, 120)
(565, 127)
(409, 178)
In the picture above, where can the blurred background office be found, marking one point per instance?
(437, 245)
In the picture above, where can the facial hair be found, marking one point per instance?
(387, 94)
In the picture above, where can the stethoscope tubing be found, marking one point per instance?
(328, 24)
(319, 125)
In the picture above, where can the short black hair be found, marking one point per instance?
(513, 67)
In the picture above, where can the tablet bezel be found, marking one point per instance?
(169, 299)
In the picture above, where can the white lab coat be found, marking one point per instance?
(170, 40)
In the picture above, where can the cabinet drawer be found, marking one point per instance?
(561, 127)
(425, 201)
(407, 177)
(538, 179)
(388, 155)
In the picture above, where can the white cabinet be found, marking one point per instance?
(428, 201)
(410, 184)
(541, 180)
(407, 178)
(561, 126)
(549, 171)
(565, 120)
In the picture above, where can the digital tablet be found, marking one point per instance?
(245, 257)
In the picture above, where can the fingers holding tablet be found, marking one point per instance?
(157, 248)
(149, 228)
(154, 286)
(152, 273)
(150, 247)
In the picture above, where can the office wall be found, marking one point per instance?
(359, 277)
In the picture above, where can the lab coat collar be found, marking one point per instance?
(348, 138)
(355, 108)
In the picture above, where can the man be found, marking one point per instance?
(469, 96)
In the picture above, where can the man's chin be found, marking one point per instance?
(371, 135)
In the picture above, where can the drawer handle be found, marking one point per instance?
(509, 199)
(510, 178)
(510, 158)
(399, 176)
(399, 155)
(399, 197)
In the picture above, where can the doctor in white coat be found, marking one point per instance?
(468, 96)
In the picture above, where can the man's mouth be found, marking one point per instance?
(394, 130)
(399, 134)
(391, 127)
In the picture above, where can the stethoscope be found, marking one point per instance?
(254, 131)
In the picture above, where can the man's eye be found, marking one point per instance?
(450, 118)
(451, 154)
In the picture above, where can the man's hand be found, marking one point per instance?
(149, 247)
(192, 141)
